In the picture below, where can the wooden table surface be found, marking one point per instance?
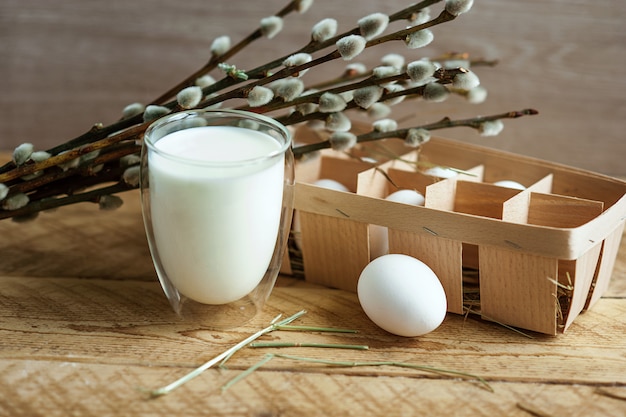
(84, 326)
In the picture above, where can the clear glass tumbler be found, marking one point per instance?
(217, 201)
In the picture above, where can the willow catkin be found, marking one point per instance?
(350, 46)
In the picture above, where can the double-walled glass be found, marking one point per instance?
(217, 201)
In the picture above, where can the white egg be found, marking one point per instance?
(379, 235)
(407, 196)
(510, 184)
(441, 172)
(402, 295)
(295, 225)
(331, 184)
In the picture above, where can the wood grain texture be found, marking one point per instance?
(326, 245)
(64, 240)
(130, 322)
(515, 289)
(88, 345)
(69, 64)
(443, 256)
(110, 391)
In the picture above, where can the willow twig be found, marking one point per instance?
(129, 134)
(241, 92)
(443, 76)
(217, 59)
(400, 133)
(313, 46)
(49, 204)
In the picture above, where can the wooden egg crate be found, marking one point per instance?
(532, 259)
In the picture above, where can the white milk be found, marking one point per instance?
(216, 225)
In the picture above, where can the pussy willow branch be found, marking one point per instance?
(129, 134)
(400, 133)
(101, 132)
(112, 155)
(123, 136)
(49, 204)
(313, 46)
(296, 117)
(241, 92)
(216, 59)
(443, 76)
(348, 77)
(263, 72)
(112, 175)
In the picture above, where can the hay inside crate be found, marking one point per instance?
(533, 259)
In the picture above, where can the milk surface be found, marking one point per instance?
(216, 221)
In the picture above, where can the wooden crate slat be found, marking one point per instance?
(334, 251)
(584, 269)
(518, 289)
(610, 247)
(443, 256)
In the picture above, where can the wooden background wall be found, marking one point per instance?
(66, 64)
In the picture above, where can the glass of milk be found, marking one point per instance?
(217, 200)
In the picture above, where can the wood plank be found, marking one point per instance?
(59, 388)
(63, 243)
(580, 275)
(611, 264)
(334, 251)
(443, 256)
(130, 323)
(515, 289)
